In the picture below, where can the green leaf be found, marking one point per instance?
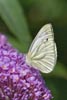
(58, 87)
(59, 71)
(13, 15)
(15, 43)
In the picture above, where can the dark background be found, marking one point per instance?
(20, 20)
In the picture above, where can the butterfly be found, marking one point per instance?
(42, 53)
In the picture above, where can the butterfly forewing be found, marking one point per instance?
(42, 53)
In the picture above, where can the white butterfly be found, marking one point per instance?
(42, 54)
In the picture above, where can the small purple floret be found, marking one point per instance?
(18, 81)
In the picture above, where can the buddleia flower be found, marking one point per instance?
(18, 80)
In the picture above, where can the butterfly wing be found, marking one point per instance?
(42, 53)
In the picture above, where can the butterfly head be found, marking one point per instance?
(28, 59)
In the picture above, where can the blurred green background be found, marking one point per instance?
(20, 20)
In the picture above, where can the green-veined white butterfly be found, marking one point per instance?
(43, 52)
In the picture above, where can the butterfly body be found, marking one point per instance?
(42, 54)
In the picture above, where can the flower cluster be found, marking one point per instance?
(18, 81)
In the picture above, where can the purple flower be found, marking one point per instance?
(18, 81)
